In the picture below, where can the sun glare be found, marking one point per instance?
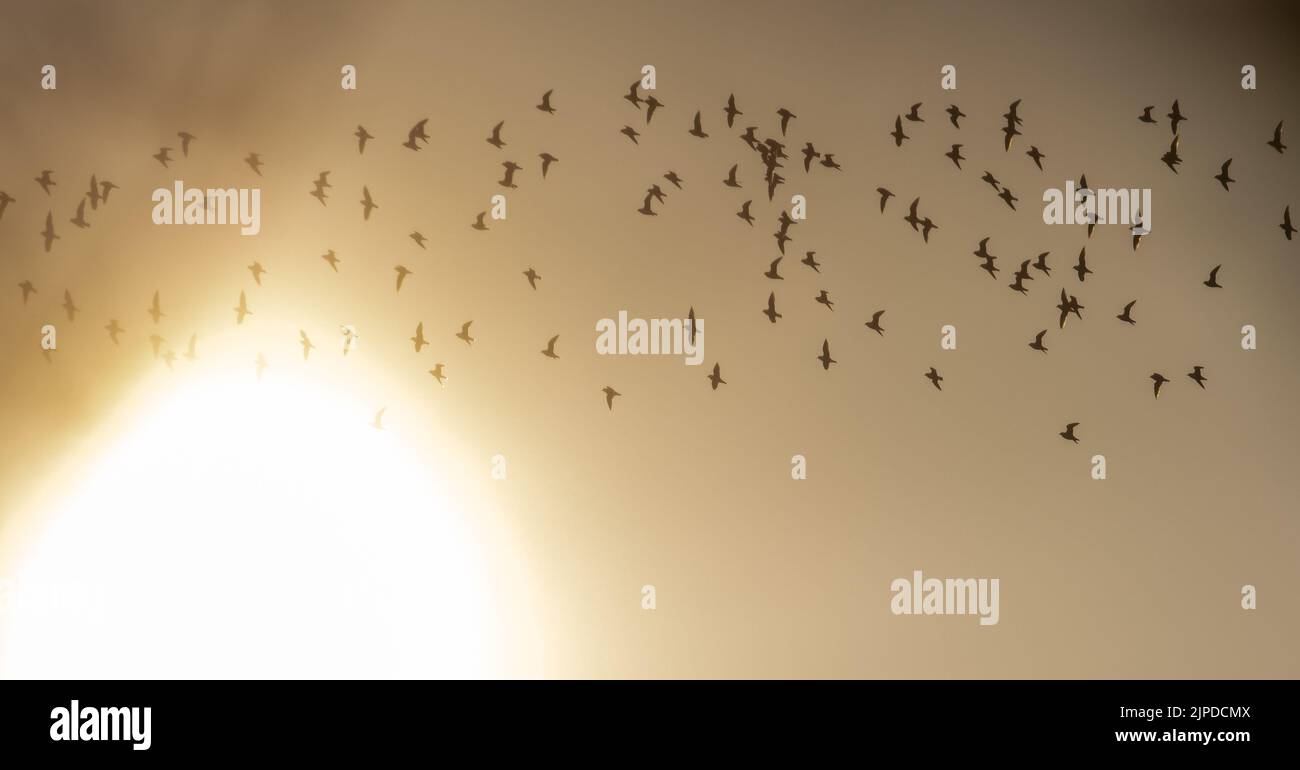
(245, 529)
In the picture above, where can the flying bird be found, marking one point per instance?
(811, 261)
(825, 299)
(989, 178)
(1222, 176)
(1041, 263)
(955, 156)
(671, 176)
(652, 104)
(242, 310)
(610, 393)
(495, 139)
(715, 379)
(1276, 141)
(770, 312)
(1145, 117)
(48, 232)
(402, 272)
(1037, 344)
(771, 271)
(825, 357)
(163, 156)
(1197, 377)
(547, 160)
(731, 181)
(367, 204)
(113, 330)
(186, 138)
(786, 117)
(464, 333)
(1008, 197)
(1171, 158)
(632, 96)
(897, 133)
(330, 258)
(1012, 114)
(80, 219)
(1068, 433)
(545, 106)
(1159, 379)
(478, 221)
(437, 373)
(885, 195)
(828, 160)
(419, 339)
(809, 155)
(1175, 117)
(955, 114)
(5, 200)
(915, 114)
(532, 277)
(155, 309)
(69, 306)
(417, 133)
(731, 111)
(1127, 315)
(743, 213)
(549, 352)
(1082, 267)
(1037, 156)
(696, 129)
(28, 290)
(911, 218)
(254, 162)
(362, 136)
(933, 377)
(418, 237)
(874, 323)
(305, 342)
(46, 181)
(1287, 229)
(1213, 281)
(94, 194)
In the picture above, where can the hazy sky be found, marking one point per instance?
(680, 486)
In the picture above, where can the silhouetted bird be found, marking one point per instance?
(549, 352)
(478, 221)
(1041, 263)
(437, 373)
(367, 204)
(671, 176)
(1175, 117)
(362, 136)
(306, 343)
(418, 237)
(1145, 117)
(652, 104)
(28, 290)
(770, 312)
(897, 133)
(257, 270)
(1010, 199)
(186, 138)
(464, 333)
(1197, 377)
(914, 114)
(825, 357)
(696, 129)
(46, 181)
(730, 181)
(545, 106)
(1159, 379)
(68, 306)
(254, 162)
(990, 179)
(955, 114)
(1037, 156)
(933, 377)
(242, 310)
(1171, 158)
(163, 156)
(825, 299)
(402, 272)
(786, 117)
(1082, 267)
(1037, 344)
(874, 323)
(1068, 433)
(744, 213)
(630, 133)
(1276, 141)
(731, 111)
(532, 277)
(416, 134)
(48, 232)
(113, 330)
(1287, 229)
(1213, 281)
(1127, 315)
(547, 160)
(828, 160)
(955, 155)
(80, 219)
(508, 180)
(715, 379)
(331, 259)
(771, 271)
(495, 139)
(811, 261)
(155, 309)
(610, 393)
(885, 195)
(1222, 176)
(419, 339)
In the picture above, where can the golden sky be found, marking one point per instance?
(679, 486)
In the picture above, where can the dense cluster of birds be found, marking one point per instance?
(771, 155)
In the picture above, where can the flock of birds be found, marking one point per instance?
(770, 152)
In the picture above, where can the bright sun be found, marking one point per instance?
(245, 529)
